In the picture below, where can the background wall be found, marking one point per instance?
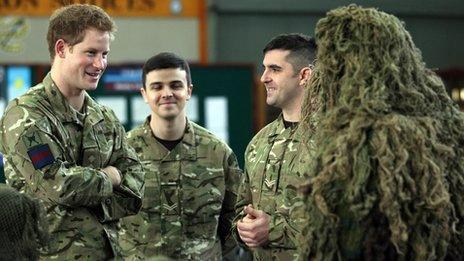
(239, 29)
(242, 27)
(136, 39)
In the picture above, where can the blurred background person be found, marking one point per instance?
(23, 227)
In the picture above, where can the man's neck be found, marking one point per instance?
(292, 115)
(172, 129)
(292, 110)
(75, 98)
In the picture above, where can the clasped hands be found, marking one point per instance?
(253, 229)
(113, 175)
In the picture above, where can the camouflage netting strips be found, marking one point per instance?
(389, 151)
(23, 229)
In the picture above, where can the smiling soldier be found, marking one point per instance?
(63, 148)
(268, 191)
(191, 176)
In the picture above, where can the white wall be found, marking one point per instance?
(136, 40)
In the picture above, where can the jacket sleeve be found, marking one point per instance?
(243, 199)
(286, 217)
(127, 198)
(289, 216)
(232, 177)
(285, 226)
(36, 163)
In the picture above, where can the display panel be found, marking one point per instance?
(19, 79)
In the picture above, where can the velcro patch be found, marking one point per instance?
(41, 156)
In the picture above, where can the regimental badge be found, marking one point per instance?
(41, 156)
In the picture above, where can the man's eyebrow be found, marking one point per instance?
(275, 66)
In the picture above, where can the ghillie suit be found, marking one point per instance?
(23, 229)
(388, 166)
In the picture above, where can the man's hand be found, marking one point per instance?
(254, 227)
(113, 174)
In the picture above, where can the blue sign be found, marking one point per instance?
(18, 79)
(122, 79)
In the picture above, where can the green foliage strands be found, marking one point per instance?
(387, 172)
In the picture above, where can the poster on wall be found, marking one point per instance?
(216, 116)
(192, 109)
(2, 106)
(140, 110)
(122, 79)
(18, 80)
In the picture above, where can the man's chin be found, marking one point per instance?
(270, 102)
(91, 87)
(169, 116)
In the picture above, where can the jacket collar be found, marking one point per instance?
(186, 149)
(63, 110)
(279, 129)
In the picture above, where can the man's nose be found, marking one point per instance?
(99, 62)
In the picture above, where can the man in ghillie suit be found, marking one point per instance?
(388, 164)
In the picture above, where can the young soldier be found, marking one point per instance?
(191, 176)
(269, 186)
(62, 147)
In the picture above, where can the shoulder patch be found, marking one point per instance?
(41, 156)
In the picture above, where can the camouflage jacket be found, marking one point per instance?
(56, 154)
(189, 199)
(273, 172)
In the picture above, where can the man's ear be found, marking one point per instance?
(189, 91)
(143, 92)
(305, 75)
(60, 48)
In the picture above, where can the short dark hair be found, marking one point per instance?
(302, 49)
(70, 22)
(166, 60)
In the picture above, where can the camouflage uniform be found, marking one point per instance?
(56, 154)
(189, 200)
(270, 184)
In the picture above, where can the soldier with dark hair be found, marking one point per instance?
(191, 175)
(387, 177)
(63, 148)
(265, 222)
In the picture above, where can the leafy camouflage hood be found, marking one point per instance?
(388, 161)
